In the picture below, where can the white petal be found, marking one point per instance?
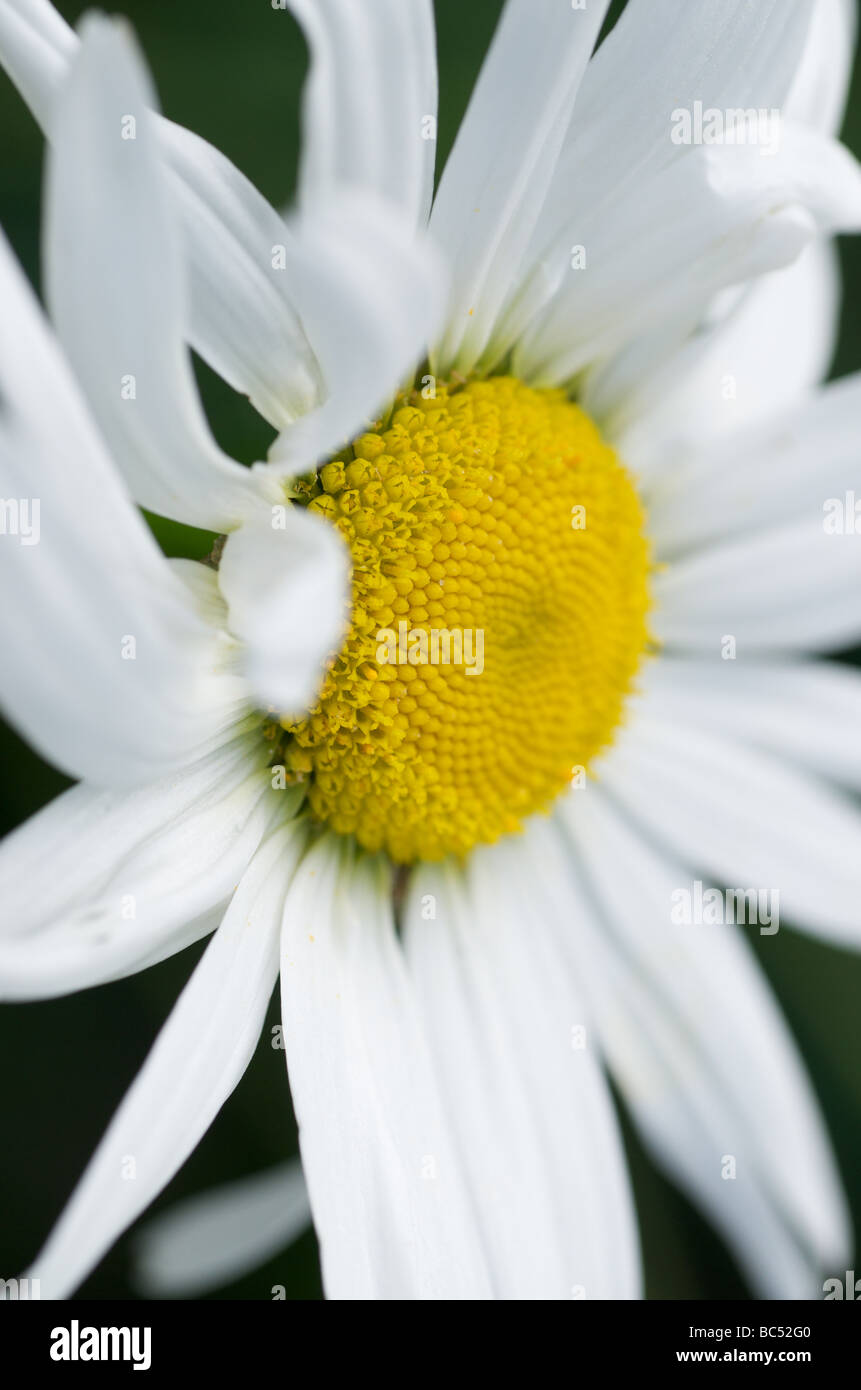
(36, 45)
(390, 1207)
(200, 579)
(671, 241)
(107, 668)
(370, 294)
(702, 1055)
(807, 712)
(774, 341)
(494, 183)
(370, 101)
(660, 401)
(531, 1110)
(658, 58)
(783, 471)
(793, 587)
(818, 93)
(197, 1060)
(117, 293)
(88, 832)
(134, 878)
(287, 590)
(662, 56)
(221, 1234)
(744, 817)
(242, 317)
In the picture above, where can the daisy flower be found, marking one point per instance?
(564, 427)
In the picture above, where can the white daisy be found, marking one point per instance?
(452, 990)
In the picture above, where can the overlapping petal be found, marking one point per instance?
(528, 1104)
(286, 583)
(108, 668)
(370, 102)
(134, 877)
(699, 1049)
(498, 174)
(242, 318)
(391, 1207)
(195, 1064)
(116, 289)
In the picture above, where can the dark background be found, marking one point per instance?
(233, 72)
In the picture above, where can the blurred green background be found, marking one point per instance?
(233, 73)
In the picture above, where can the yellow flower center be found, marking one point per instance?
(498, 618)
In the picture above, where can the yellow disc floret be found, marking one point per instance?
(499, 598)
